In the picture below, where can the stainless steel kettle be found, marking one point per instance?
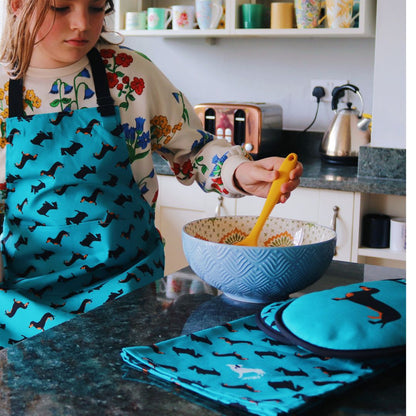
(348, 131)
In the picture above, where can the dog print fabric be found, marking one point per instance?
(77, 231)
(239, 365)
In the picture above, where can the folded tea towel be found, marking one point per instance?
(238, 365)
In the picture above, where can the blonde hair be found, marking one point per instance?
(17, 42)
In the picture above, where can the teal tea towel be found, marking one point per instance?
(238, 365)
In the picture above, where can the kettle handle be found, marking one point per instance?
(338, 92)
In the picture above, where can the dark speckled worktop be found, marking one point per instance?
(379, 170)
(76, 369)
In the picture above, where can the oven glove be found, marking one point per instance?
(361, 320)
(238, 365)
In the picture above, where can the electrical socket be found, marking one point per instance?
(328, 86)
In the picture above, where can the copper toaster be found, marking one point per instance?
(255, 126)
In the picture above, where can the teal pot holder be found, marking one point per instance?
(362, 320)
(266, 322)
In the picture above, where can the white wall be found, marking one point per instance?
(264, 70)
(389, 108)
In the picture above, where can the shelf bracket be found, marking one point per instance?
(211, 41)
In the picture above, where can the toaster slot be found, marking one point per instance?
(239, 127)
(209, 118)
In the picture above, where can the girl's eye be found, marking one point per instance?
(59, 9)
(66, 8)
(97, 9)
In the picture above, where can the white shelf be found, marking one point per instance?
(169, 33)
(245, 33)
(366, 23)
(383, 253)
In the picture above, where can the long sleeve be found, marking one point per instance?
(175, 131)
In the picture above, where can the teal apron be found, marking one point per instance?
(77, 232)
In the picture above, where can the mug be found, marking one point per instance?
(398, 234)
(136, 20)
(221, 24)
(132, 20)
(142, 23)
(282, 16)
(158, 18)
(252, 16)
(339, 13)
(208, 14)
(376, 231)
(183, 17)
(307, 13)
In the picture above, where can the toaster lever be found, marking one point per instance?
(209, 125)
(239, 127)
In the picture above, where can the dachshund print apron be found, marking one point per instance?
(77, 232)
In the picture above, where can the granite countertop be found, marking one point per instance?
(379, 170)
(76, 369)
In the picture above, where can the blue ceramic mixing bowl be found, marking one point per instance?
(290, 256)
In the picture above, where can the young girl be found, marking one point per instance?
(79, 120)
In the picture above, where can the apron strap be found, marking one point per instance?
(16, 97)
(104, 100)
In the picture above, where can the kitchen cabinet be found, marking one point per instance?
(366, 26)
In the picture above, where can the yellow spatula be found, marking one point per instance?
(272, 198)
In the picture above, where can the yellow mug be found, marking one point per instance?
(282, 16)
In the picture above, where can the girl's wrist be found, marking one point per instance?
(237, 184)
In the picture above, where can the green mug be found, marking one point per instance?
(142, 23)
(158, 18)
(252, 16)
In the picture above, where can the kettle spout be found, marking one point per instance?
(364, 123)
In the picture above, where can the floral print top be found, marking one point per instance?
(155, 116)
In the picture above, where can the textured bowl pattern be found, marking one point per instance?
(271, 271)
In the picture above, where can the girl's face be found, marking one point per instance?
(71, 28)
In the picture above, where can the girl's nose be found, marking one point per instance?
(80, 19)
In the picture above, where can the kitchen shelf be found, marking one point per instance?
(384, 253)
(366, 26)
(391, 205)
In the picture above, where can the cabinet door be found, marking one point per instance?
(343, 202)
(303, 204)
(177, 205)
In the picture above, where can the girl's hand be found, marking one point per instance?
(256, 177)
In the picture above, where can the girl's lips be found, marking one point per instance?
(77, 42)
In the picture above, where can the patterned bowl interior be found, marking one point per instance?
(277, 232)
